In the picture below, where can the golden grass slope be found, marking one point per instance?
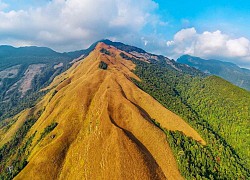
(104, 129)
(15, 123)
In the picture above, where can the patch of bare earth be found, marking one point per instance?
(29, 75)
(58, 65)
(9, 73)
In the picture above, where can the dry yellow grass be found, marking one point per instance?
(19, 120)
(104, 129)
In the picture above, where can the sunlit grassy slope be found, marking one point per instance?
(104, 126)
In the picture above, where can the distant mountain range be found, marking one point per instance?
(229, 71)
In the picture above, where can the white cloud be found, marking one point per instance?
(210, 45)
(238, 47)
(72, 24)
(3, 5)
(184, 34)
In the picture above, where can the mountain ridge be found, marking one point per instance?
(226, 70)
(117, 86)
(102, 111)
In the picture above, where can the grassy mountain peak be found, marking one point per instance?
(118, 112)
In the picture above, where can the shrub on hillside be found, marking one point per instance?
(103, 65)
(105, 51)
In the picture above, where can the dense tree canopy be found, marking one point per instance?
(218, 110)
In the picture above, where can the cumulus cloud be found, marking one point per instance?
(210, 45)
(72, 24)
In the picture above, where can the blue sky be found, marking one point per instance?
(23, 4)
(209, 29)
(208, 15)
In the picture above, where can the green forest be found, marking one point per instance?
(10, 167)
(13, 154)
(218, 110)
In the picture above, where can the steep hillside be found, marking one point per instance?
(24, 70)
(95, 124)
(229, 71)
(218, 110)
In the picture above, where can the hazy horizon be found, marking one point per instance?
(210, 30)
